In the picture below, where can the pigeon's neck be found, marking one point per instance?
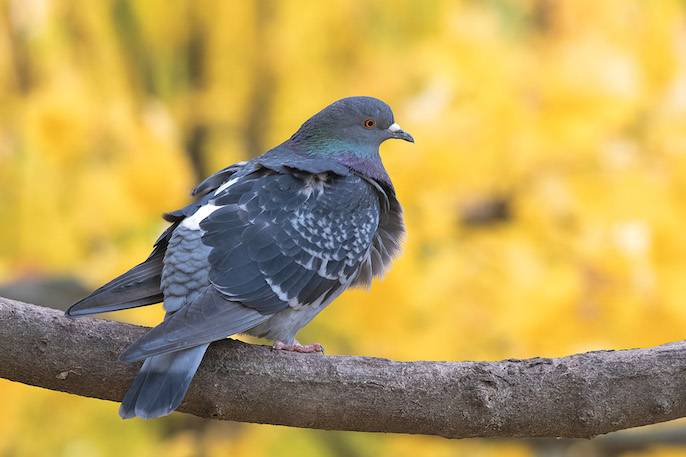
(370, 167)
(361, 158)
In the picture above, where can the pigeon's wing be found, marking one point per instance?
(140, 286)
(214, 181)
(277, 240)
(205, 191)
(289, 239)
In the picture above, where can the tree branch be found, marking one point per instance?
(577, 396)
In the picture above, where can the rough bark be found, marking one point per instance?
(577, 396)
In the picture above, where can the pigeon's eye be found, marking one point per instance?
(369, 123)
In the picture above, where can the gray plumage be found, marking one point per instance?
(265, 247)
(161, 383)
(140, 286)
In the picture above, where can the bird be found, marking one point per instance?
(263, 248)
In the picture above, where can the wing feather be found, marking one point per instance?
(278, 239)
(282, 239)
(209, 318)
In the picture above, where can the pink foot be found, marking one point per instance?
(297, 347)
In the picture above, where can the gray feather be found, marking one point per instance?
(282, 236)
(140, 286)
(161, 383)
(210, 317)
(282, 240)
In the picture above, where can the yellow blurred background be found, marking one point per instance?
(545, 197)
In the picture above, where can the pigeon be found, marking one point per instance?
(265, 246)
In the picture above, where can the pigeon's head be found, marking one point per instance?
(352, 123)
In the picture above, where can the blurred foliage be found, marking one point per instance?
(544, 198)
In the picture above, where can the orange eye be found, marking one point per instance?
(369, 123)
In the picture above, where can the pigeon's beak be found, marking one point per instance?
(396, 132)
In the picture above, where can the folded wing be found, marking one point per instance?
(277, 240)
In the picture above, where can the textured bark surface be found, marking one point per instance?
(577, 396)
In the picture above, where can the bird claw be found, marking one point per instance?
(297, 347)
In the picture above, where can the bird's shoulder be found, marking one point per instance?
(214, 181)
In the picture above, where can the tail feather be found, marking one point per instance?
(161, 383)
(139, 286)
(210, 317)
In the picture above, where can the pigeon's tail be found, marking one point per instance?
(140, 286)
(161, 383)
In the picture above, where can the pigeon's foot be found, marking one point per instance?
(297, 347)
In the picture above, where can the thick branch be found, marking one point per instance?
(577, 396)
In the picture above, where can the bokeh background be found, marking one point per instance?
(545, 197)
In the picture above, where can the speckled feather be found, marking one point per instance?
(266, 245)
(277, 241)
